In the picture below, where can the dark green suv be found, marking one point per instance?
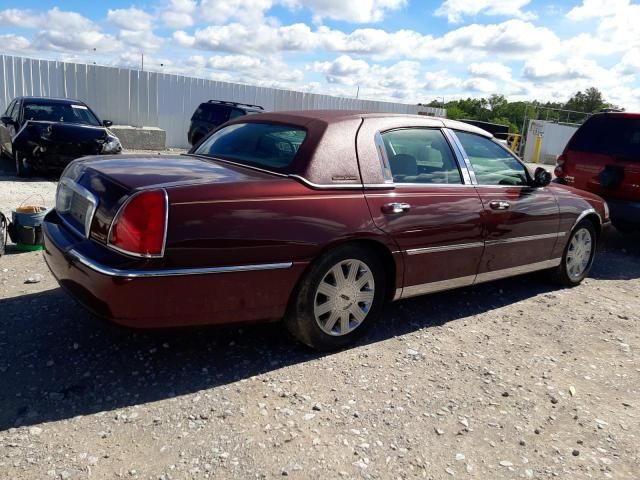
(214, 113)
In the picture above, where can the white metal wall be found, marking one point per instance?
(555, 137)
(132, 97)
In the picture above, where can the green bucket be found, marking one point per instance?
(23, 247)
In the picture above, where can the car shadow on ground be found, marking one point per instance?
(58, 362)
(8, 173)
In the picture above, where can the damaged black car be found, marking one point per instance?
(46, 134)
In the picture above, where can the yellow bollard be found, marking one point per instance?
(536, 152)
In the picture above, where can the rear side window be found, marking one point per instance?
(235, 113)
(211, 113)
(419, 155)
(264, 145)
(609, 136)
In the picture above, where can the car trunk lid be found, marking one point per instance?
(109, 180)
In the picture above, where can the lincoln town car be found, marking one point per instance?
(316, 218)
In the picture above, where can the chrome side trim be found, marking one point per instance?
(444, 248)
(121, 273)
(462, 246)
(341, 186)
(382, 157)
(415, 290)
(461, 156)
(397, 295)
(88, 196)
(526, 239)
(166, 226)
(511, 272)
(432, 287)
(584, 214)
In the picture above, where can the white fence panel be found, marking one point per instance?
(132, 97)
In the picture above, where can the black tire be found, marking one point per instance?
(561, 273)
(300, 319)
(22, 169)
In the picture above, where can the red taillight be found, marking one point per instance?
(561, 159)
(559, 171)
(140, 225)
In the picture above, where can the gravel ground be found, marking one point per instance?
(507, 380)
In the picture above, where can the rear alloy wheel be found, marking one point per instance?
(339, 296)
(578, 255)
(22, 169)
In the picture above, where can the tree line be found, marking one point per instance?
(497, 109)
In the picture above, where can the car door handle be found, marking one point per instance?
(396, 208)
(499, 205)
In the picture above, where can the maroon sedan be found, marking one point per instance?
(316, 217)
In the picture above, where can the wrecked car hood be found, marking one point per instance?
(43, 138)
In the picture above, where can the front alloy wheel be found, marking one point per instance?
(340, 295)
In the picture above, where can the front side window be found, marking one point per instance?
(492, 164)
(9, 111)
(264, 145)
(60, 112)
(420, 155)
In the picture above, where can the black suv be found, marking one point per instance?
(214, 113)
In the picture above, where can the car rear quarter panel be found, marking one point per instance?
(572, 204)
(278, 221)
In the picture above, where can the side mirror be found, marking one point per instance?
(7, 121)
(541, 177)
(107, 123)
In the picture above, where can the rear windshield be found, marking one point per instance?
(60, 112)
(264, 145)
(609, 136)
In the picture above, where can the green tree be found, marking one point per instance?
(589, 101)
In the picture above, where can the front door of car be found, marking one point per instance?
(521, 221)
(433, 215)
(8, 128)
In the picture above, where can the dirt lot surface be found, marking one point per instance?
(507, 380)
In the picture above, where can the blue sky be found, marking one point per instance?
(400, 50)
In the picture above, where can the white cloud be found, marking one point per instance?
(455, 10)
(238, 38)
(249, 12)
(178, 13)
(141, 39)
(362, 11)
(630, 63)
(490, 70)
(480, 85)
(590, 9)
(14, 43)
(441, 80)
(15, 17)
(132, 19)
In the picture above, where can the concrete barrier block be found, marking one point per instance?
(140, 138)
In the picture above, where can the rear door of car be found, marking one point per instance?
(521, 221)
(425, 202)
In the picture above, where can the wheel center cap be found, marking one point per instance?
(345, 298)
